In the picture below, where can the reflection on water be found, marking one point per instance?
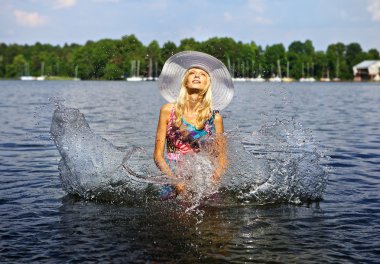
(40, 223)
(163, 232)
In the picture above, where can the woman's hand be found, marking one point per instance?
(180, 188)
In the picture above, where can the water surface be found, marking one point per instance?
(40, 223)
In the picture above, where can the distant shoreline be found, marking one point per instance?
(118, 59)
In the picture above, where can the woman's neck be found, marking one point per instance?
(192, 103)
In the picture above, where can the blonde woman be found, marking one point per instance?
(197, 86)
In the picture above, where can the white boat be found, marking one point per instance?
(135, 70)
(275, 79)
(257, 79)
(309, 79)
(42, 76)
(32, 78)
(327, 78)
(134, 79)
(239, 79)
(76, 74)
(150, 77)
(287, 78)
(27, 78)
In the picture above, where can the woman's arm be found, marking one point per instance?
(161, 139)
(220, 145)
(160, 145)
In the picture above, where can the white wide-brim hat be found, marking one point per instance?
(175, 67)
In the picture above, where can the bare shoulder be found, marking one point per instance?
(165, 112)
(166, 108)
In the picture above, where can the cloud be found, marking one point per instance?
(256, 5)
(64, 3)
(374, 8)
(29, 19)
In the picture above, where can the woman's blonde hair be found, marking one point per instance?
(204, 109)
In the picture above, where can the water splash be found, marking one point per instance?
(278, 163)
(287, 162)
(91, 166)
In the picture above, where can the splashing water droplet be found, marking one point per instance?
(277, 163)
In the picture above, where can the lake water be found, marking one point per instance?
(40, 223)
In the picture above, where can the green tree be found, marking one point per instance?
(336, 60)
(113, 72)
(373, 54)
(132, 50)
(300, 55)
(82, 57)
(110, 59)
(188, 44)
(321, 68)
(272, 54)
(168, 49)
(3, 62)
(153, 57)
(354, 55)
(18, 67)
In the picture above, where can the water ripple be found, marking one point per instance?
(40, 224)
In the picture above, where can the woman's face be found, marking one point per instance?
(197, 79)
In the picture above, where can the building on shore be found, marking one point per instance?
(368, 70)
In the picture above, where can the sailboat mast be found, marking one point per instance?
(42, 68)
(337, 69)
(76, 72)
(150, 70)
(279, 69)
(155, 69)
(138, 68)
(133, 67)
(287, 69)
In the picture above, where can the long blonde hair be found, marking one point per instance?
(204, 109)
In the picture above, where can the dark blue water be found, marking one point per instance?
(39, 223)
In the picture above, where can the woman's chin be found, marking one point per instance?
(195, 88)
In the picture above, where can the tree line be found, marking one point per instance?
(115, 59)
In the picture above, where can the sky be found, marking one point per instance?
(266, 22)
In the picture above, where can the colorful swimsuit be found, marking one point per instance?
(181, 141)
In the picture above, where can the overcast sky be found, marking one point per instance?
(265, 22)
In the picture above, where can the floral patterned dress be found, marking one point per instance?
(180, 141)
